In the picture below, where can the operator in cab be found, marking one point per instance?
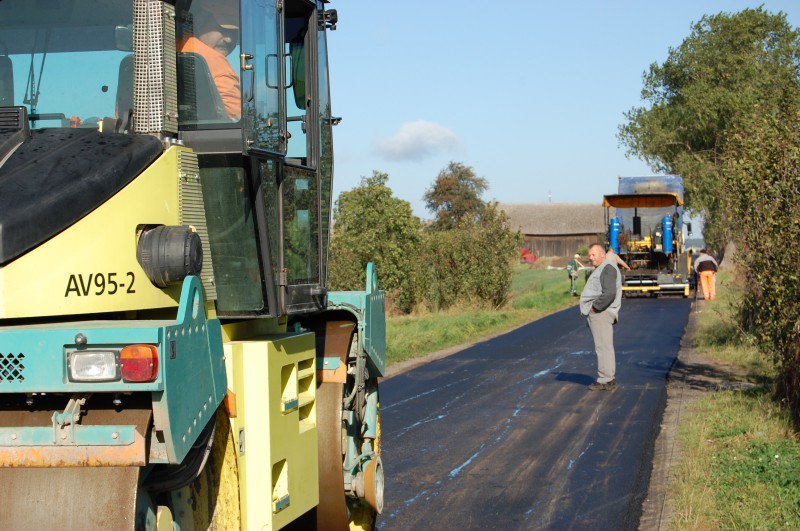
(216, 34)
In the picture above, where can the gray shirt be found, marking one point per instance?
(603, 290)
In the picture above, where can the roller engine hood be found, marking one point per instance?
(57, 176)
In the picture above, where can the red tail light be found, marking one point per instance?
(139, 363)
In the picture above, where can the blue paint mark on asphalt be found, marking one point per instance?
(543, 372)
(420, 423)
(456, 471)
(426, 393)
(411, 501)
(572, 461)
(533, 509)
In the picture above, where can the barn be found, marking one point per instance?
(557, 229)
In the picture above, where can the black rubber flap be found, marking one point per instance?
(58, 176)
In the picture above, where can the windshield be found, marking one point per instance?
(652, 219)
(62, 59)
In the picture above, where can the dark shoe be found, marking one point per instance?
(608, 386)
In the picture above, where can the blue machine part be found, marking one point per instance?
(667, 231)
(190, 384)
(614, 235)
(369, 307)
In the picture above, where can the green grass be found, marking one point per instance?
(740, 459)
(534, 294)
(719, 337)
(541, 289)
(740, 465)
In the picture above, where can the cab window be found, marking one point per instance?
(208, 64)
(65, 64)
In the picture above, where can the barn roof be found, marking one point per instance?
(554, 219)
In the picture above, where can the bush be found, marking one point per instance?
(470, 264)
(370, 224)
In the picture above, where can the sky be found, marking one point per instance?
(529, 94)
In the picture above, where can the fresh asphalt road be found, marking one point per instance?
(505, 434)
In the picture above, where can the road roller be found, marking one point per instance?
(170, 355)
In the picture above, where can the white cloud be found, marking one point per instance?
(416, 141)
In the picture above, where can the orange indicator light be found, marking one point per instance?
(139, 363)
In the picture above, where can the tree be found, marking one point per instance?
(761, 191)
(370, 224)
(455, 196)
(731, 67)
(725, 113)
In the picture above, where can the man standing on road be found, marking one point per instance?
(600, 303)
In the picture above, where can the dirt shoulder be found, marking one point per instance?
(692, 376)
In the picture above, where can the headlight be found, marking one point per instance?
(93, 365)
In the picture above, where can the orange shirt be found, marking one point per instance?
(225, 78)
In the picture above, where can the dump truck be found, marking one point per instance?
(170, 355)
(645, 228)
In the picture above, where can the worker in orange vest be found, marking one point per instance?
(216, 34)
(706, 268)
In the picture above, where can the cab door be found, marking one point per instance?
(300, 186)
(267, 187)
(282, 134)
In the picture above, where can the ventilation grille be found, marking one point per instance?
(155, 76)
(12, 118)
(11, 368)
(192, 211)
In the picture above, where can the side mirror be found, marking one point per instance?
(328, 20)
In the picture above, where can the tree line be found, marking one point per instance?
(723, 111)
(463, 257)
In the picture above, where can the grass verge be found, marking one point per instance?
(740, 459)
(534, 294)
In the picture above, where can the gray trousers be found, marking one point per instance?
(602, 327)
